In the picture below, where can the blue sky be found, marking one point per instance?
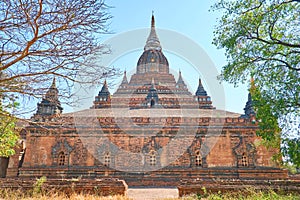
(191, 19)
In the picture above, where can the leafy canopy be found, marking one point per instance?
(261, 38)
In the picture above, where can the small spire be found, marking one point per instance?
(124, 81)
(180, 79)
(104, 90)
(52, 93)
(50, 103)
(53, 85)
(201, 91)
(105, 84)
(249, 111)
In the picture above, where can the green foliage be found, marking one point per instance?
(37, 187)
(293, 150)
(8, 134)
(261, 39)
(291, 168)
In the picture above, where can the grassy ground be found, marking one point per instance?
(241, 196)
(251, 195)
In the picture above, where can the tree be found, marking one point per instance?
(8, 134)
(40, 39)
(261, 38)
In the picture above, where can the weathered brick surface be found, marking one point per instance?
(221, 148)
(104, 187)
(200, 186)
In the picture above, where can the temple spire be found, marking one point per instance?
(180, 79)
(104, 90)
(180, 83)
(201, 91)
(124, 81)
(152, 41)
(52, 93)
(249, 111)
(50, 104)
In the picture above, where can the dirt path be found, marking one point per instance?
(151, 193)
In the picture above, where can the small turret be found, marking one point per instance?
(249, 111)
(203, 99)
(201, 91)
(50, 105)
(124, 81)
(104, 92)
(103, 99)
(180, 83)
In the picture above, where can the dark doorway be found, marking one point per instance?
(152, 103)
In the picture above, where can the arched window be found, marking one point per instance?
(61, 158)
(107, 159)
(152, 158)
(198, 159)
(244, 160)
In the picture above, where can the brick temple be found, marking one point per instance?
(151, 131)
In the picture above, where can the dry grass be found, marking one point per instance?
(19, 195)
(251, 195)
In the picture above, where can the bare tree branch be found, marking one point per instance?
(46, 38)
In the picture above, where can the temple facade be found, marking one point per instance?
(151, 131)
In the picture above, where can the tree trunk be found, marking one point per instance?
(3, 166)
